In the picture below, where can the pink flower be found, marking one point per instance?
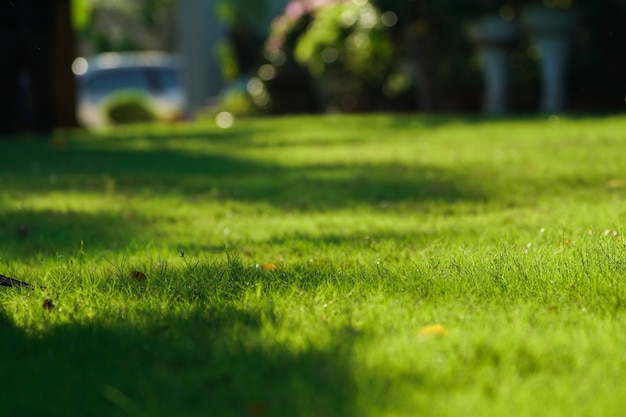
(294, 10)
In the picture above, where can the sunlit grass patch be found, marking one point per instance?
(373, 265)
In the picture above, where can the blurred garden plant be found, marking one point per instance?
(129, 107)
(245, 22)
(347, 47)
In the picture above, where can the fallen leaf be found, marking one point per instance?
(615, 183)
(257, 408)
(138, 275)
(433, 330)
(268, 267)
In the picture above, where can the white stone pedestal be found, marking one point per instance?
(494, 38)
(552, 31)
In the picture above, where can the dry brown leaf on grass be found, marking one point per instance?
(268, 267)
(138, 275)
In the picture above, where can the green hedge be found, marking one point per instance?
(128, 107)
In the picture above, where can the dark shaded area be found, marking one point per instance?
(598, 64)
(210, 363)
(36, 50)
(27, 233)
(225, 176)
(26, 46)
(160, 170)
(432, 37)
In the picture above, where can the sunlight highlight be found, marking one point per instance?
(224, 119)
(433, 330)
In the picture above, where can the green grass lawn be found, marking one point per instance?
(371, 265)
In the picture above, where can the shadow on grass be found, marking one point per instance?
(26, 233)
(223, 176)
(103, 166)
(190, 179)
(211, 362)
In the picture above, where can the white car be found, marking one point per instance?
(155, 74)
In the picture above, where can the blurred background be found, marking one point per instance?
(95, 62)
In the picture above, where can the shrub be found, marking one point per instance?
(129, 107)
(346, 47)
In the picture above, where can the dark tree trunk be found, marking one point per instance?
(64, 86)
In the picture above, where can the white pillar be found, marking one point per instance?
(200, 32)
(496, 76)
(553, 63)
(494, 38)
(552, 31)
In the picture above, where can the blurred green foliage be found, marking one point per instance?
(128, 107)
(251, 14)
(348, 49)
(131, 25)
(347, 35)
(246, 23)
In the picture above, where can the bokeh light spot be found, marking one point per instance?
(79, 66)
(389, 19)
(330, 55)
(224, 119)
(267, 72)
